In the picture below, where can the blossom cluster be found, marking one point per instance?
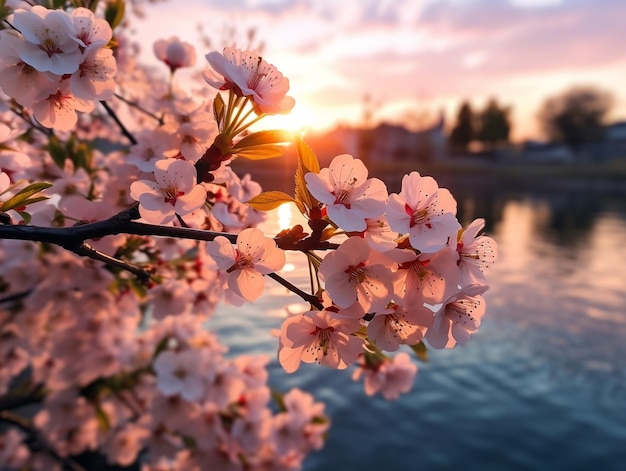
(57, 63)
(405, 271)
(106, 351)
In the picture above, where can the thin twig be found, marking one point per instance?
(86, 250)
(313, 300)
(119, 123)
(139, 108)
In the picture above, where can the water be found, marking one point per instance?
(542, 385)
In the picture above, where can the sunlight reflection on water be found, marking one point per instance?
(541, 386)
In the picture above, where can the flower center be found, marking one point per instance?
(241, 261)
(171, 194)
(357, 272)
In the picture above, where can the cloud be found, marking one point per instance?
(429, 51)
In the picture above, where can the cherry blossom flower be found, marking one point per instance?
(248, 74)
(18, 79)
(457, 318)
(174, 192)
(91, 32)
(350, 197)
(180, 373)
(356, 273)
(5, 182)
(175, 53)
(425, 277)
(390, 378)
(254, 256)
(399, 325)
(51, 44)
(94, 78)
(13, 453)
(379, 235)
(55, 107)
(152, 146)
(424, 211)
(319, 336)
(476, 253)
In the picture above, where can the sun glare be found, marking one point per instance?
(299, 119)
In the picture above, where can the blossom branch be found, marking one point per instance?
(85, 250)
(311, 299)
(119, 123)
(138, 107)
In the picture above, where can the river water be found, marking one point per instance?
(541, 385)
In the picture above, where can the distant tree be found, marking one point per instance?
(494, 124)
(463, 131)
(576, 116)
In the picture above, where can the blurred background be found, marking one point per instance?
(519, 108)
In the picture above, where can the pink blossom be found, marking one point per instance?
(254, 256)
(476, 253)
(175, 53)
(379, 235)
(5, 182)
(424, 211)
(250, 75)
(458, 318)
(152, 146)
(399, 325)
(425, 277)
(350, 197)
(55, 107)
(51, 44)
(124, 445)
(319, 336)
(170, 298)
(356, 273)
(18, 79)
(180, 373)
(13, 452)
(94, 78)
(390, 378)
(91, 32)
(174, 192)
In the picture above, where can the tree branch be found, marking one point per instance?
(311, 299)
(119, 123)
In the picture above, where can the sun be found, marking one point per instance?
(299, 119)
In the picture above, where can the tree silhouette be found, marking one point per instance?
(576, 116)
(494, 124)
(463, 131)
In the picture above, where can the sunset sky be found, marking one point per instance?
(415, 58)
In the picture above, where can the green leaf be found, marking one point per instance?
(259, 152)
(114, 12)
(420, 351)
(269, 200)
(279, 399)
(103, 420)
(26, 217)
(25, 196)
(263, 138)
(218, 108)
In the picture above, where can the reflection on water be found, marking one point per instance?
(542, 385)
